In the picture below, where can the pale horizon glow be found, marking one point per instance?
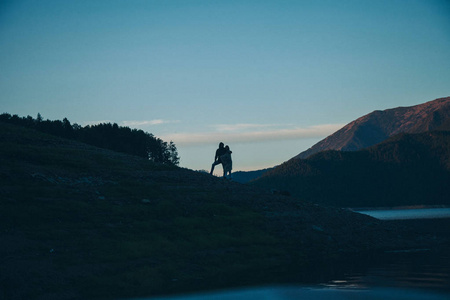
(237, 136)
(147, 123)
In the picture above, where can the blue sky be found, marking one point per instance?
(268, 78)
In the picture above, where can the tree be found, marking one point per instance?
(68, 129)
(173, 154)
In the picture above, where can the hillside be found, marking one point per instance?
(104, 135)
(378, 126)
(407, 169)
(247, 176)
(80, 222)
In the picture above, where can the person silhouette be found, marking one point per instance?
(227, 163)
(219, 152)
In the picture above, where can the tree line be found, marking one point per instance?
(104, 135)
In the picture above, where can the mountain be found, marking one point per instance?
(82, 222)
(406, 169)
(247, 176)
(379, 125)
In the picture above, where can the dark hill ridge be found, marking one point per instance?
(247, 176)
(80, 222)
(407, 169)
(377, 126)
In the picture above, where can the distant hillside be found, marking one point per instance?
(247, 176)
(407, 169)
(377, 126)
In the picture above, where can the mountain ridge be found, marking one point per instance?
(379, 125)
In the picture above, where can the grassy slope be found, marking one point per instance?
(81, 222)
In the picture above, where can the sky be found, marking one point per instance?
(267, 78)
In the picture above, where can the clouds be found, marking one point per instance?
(147, 123)
(134, 123)
(250, 133)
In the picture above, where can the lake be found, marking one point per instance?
(312, 293)
(404, 214)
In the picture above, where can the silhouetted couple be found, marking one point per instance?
(223, 156)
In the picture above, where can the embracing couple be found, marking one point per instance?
(223, 156)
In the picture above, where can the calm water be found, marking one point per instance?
(406, 269)
(404, 214)
(409, 274)
(313, 293)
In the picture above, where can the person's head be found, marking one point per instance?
(221, 145)
(227, 148)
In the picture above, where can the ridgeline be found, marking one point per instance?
(380, 125)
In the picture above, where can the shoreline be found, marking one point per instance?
(405, 207)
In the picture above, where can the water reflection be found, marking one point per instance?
(423, 269)
(313, 293)
(405, 214)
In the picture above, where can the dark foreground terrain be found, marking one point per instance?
(79, 222)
